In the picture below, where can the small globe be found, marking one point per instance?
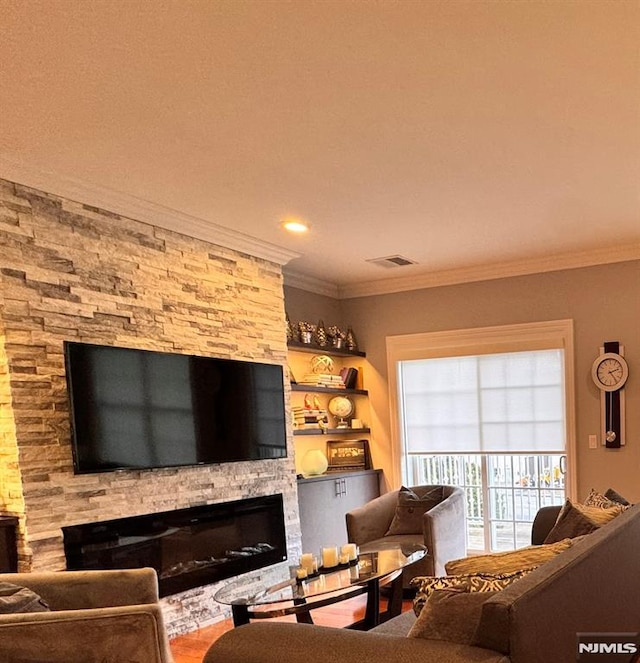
(322, 364)
(341, 406)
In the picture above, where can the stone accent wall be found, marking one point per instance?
(70, 271)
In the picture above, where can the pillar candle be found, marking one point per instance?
(330, 557)
(306, 562)
(351, 550)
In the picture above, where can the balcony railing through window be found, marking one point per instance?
(503, 491)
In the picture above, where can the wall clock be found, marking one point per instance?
(610, 372)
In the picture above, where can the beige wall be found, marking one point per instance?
(603, 302)
(309, 307)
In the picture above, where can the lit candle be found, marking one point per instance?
(330, 557)
(344, 558)
(301, 573)
(351, 550)
(306, 562)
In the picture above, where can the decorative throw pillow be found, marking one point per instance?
(14, 598)
(577, 519)
(614, 496)
(507, 562)
(450, 616)
(411, 507)
(571, 523)
(471, 582)
(594, 498)
(600, 515)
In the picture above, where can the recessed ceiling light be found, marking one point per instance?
(295, 225)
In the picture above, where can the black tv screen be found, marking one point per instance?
(140, 409)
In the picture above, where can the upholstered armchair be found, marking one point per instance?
(441, 528)
(543, 523)
(93, 616)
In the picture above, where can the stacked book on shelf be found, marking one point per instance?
(347, 378)
(308, 418)
(323, 380)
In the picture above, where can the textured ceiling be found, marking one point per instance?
(458, 134)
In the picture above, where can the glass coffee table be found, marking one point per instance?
(372, 570)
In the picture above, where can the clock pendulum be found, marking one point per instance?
(610, 434)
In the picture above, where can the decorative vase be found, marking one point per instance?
(306, 332)
(321, 334)
(290, 333)
(314, 462)
(350, 340)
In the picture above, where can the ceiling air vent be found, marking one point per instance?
(392, 261)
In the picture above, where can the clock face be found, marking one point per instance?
(610, 371)
(341, 406)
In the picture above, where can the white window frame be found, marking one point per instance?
(546, 335)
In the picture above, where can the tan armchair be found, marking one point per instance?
(95, 617)
(443, 529)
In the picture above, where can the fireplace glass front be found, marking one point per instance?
(188, 547)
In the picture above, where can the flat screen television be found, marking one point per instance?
(141, 409)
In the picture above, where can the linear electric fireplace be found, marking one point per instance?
(187, 547)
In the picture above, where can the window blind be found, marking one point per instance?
(510, 403)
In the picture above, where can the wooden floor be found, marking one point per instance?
(191, 648)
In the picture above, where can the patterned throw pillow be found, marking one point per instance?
(507, 562)
(411, 507)
(471, 582)
(450, 616)
(594, 498)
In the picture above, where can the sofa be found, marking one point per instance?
(441, 527)
(591, 587)
(84, 617)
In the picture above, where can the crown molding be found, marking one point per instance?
(138, 209)
(308, 283)
(551, 263)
